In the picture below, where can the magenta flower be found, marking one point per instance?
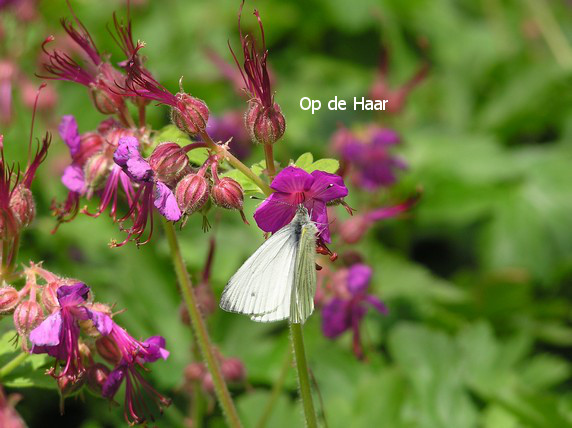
(368, 156)
(346, 310)
(58, 334)
(294, 186)
(152, 191)
(132, 355)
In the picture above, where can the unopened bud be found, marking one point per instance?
(103, 101)
(208, 384)
(23, 205)
(9, 299)
(69, 385)
(233, 370)
(192, 192)
(353, 229)
(96, 170)
(228, 193)
(27, 316)
(195, 372)
(108, 350)
(265, 124)
(96, 376)
(169, 161)
(191, 114)
(91, 143)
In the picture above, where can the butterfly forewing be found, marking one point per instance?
(302, 299)
(262, 287)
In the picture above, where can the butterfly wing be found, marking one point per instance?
(302, 297)
(262, 287)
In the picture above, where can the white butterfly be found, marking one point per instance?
(279, 280)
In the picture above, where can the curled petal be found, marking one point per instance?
(166, 203)
(72, 295)
(113, 381)
(155, 349)
(68, 131)
(359, 276)
(47, 333)
(138, 169)
(73, 178)
(127, 148)
(102, 322)
(376, 303)
(336, 318)
(319, 215)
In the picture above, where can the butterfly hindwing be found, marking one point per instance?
(302, 299)
(262, 287)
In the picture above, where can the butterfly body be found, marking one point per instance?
(279, 280)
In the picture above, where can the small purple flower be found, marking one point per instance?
(294, 186)
(133, 354)
(346, 311)
(58, 334)
(368, 155)
(152, 191)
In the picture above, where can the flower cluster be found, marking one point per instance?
(232, 369)
(59, 318)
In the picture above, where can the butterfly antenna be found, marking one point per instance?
(271, 200)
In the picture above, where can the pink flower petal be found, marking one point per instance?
(68, 130)
(48, 332)
(273, 214)
(166, 203)
(326, 186)
(73, 179)
(291, 180)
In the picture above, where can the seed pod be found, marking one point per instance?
(195, 372)
(96, 377)
(9, 299)
(108, 350)
(227, 193)
(169, 161)
(192, 192)
(265, 124)
(190, 115)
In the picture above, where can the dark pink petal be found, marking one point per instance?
(127, 148)
(73, 179)
(113, 382)
(336, 318)
(319, 215)
(376, 303)
(291, 180)
(138, 169)
(359, 276)
(166, 203)
(68, 130)
(72, 295)
(273, 214)
(326, 187)
(47, 333)
(155, 349)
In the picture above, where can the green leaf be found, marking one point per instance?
(304, 161)
(326, 165)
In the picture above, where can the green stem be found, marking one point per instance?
(219, 149)
(11, 365)
(269, 155)
(197, 399)
(199, 328)
(276, 390)
(303, 375)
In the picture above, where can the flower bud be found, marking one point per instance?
(192, 192)
(169, 161)
(27, 316)
(69, 385)
(49, 296)
(108, 350)
(184, 314)
(191, 114)
(227, 193)
(208, 384)
(9, 299)
(96, 170)
(265, 124)
(103, 101)
(90, 143)
(23, 205)
(233, 370)
(195, 372)
(96, 376)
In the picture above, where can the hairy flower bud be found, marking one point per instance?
(265, 124)
(23, 205)
(208, 384)
(195, 372)
(9, 299)
(227, 193)
(96, 170)
(96, 376)
(103, 101)
(27, 316)
(192, 192)
(69, 385)
(169, 161)
(90, 143)
(49, 296)
(233, 370)
(353, 229)
(108, 350)
(190, 115)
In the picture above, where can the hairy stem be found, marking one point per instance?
(303, 375)
(236, 163)
(12, 364)
(199, 328)
(276, 390)
(269, 155)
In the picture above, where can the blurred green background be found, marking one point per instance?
(477, 277)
